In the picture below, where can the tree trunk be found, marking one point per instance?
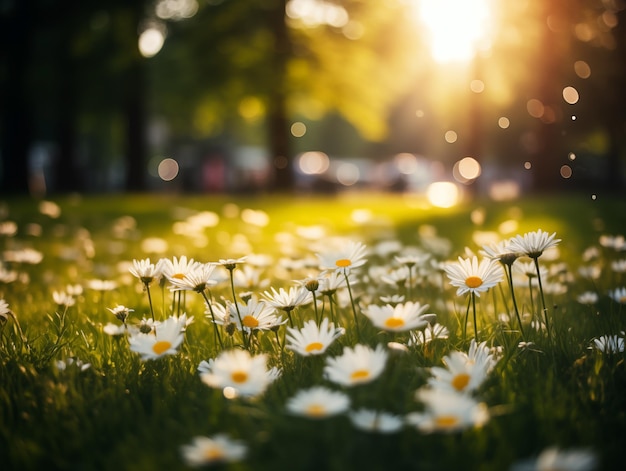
(278, 122)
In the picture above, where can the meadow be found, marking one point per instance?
(363, 331)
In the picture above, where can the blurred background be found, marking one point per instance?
(491, 97)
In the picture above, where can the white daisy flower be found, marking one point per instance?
(399, 318)
(249, 277)
(177, 268)
(464, 373)
(287, 300)
(430, 333)
(101, 285)
(238, 369)
(61, 298)
(145, 270)
(255, 315)
(198, 278)
(204, 451)
(318, 402)
(618, 295)
(468, 275)
(351, 255)
(619, 266)
(311, 339)
(499, 251)
(590, 272)
(588, 298)
(358, 365)
(609, 343)
(534, 243)
(120, 312)
(615, 242)
(376, 421)
(114, 329)
(231, 263)
(167, 337)
(447, 411)
(331, 281)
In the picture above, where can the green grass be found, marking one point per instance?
(125, 413)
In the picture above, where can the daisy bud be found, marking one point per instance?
(312, 285)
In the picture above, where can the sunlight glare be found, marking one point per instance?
(442, 194)
(457, 27)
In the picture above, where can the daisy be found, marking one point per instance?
(533, 244)
(588, 298)
(618, 295)
(330, 282)
(499, 251)
(392, 299)
(198, 278)
(318, 402)
(231, 263)
(101, 285)
(609, 343)
(399, 318)
(177, 268)
(249, 277)
(238, 369)
(619, 266)
(430, 333)
(351, 255)
(4, 311)
(470, 276)
(398, 277)
(358, 365)
(166, 339)
(61, 298)
(375, 421)
(120, 312)
(311, 339)
(255, 315)
(447, 411)
(288, 300)
(114, 329)
(417, 257)
(145, 270)
(204, 451)
(462, 374)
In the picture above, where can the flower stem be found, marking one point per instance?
(215, 327)
(356, 320)
(509, 275)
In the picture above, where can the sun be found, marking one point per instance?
(456, 29)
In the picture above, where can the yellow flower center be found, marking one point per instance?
(250, 321)
(460, 381)
(314, 346)
(239, 376)
(622, 300)
(446, 421)
(178, 276)
(473, 281)
(316, 410)
(343, 262)
(161, 346)
(213, 454)
(360, 375)
(394, 322)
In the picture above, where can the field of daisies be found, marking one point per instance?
(358, 332)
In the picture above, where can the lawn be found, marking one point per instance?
(103, 369)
